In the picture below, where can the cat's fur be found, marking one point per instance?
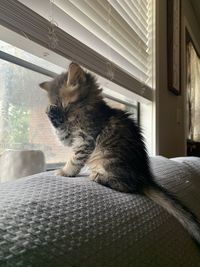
(107, 140)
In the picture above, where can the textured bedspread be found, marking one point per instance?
(46, 220)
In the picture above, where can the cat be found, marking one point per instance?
(107, 140)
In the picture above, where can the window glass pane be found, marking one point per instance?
(193, 93)
(23, 122)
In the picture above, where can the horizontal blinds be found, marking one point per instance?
(122, 25)
(94, 33)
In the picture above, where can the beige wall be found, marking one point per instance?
(170, 109)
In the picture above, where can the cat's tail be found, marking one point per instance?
(169, 202)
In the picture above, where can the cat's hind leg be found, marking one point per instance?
(111, 181)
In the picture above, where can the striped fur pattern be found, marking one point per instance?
(107, 140)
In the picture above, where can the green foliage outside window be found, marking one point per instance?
(18, 124)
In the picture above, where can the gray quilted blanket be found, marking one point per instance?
(46, 220)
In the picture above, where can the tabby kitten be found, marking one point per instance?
(107, 140)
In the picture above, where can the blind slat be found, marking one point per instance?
(140, 24)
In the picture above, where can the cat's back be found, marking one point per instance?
(120, 143)
(120, 127)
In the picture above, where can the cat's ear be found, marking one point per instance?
(44, 86)
(75, 74)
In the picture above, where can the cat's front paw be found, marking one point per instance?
(55, 114)
(62, 172)
(54, 110)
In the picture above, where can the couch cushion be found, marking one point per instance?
(47, 220)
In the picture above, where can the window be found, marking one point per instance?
(23, 122)
(111, 38)
(193, 93)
